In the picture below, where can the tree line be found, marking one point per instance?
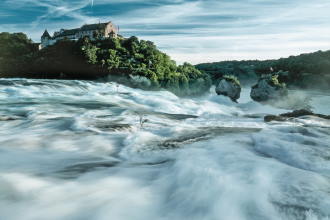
(310, 70)
(131, 61)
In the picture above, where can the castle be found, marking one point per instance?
(93, 31)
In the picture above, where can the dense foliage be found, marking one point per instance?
(232, 79)
(306, 70)
(16, 52)
(274, 81)
(130, 61)
(243, 70)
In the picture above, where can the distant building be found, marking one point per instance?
(93, 31)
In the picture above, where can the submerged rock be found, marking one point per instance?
(111, 126)
(268, 88)
(202, 134)
(294, 114)
(229, 86)
(8, 118)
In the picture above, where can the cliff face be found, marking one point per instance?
(130, 61)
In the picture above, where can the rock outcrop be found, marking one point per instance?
(229, 86)
(294, 114)
(268, 88)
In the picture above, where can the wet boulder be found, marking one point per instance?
(229, 86)
(268, 88)
(294, 114)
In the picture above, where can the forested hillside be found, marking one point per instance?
(310, 70)
(130, 61)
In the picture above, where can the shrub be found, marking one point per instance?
(232, 79)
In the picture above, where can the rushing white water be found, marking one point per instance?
(87, 150)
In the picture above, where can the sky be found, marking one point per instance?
(195, 31)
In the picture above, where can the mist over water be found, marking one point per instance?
(88, 150)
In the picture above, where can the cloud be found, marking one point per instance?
(192, 30)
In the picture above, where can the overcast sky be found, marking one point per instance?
(188, 30)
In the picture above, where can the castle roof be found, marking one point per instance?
(86, 27)
(89, 27)
(68, 32)
(45, 34)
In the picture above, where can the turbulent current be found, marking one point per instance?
(88, 150)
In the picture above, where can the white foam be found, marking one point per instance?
(78, 150)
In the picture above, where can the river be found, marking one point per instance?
(91, 150)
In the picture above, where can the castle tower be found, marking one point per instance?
(45, 37)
